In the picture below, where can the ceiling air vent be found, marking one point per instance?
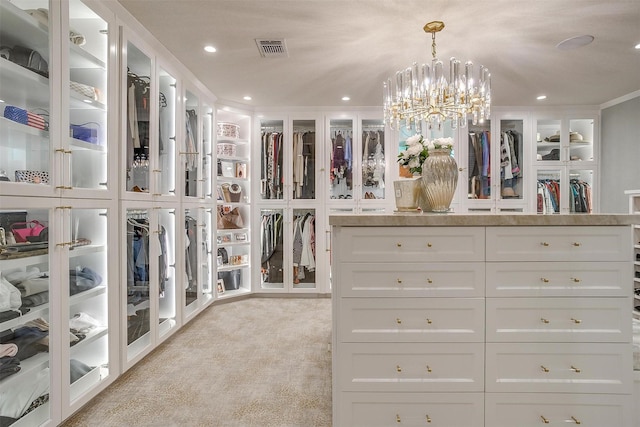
(272, 48)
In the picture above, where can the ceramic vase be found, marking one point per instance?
(439, 180)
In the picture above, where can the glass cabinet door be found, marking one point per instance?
(88, 97)
(207, 152)
(136, 263)
(191, 252)
(581, 139)
(373, 160)
(272, 159)
(272, 249)
(548, 138)
(479, 160)
(340, 159)
(512, 159)
(167, 297)
(88, 299)
(25, 153)
(304, 159)
(304, 250)
(25, 314)
(548, 190)
(165, 171)
(206, 253)
(138, 114)
(191, 149)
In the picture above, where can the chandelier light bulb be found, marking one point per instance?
(423, 92)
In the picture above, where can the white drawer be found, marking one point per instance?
(409, 409)
(524, 279)
(531, 410)
(411, 320)
(411, 244)
(416, 367)
(559, 368)
(433, 279)
(559, 243)
(558, 320)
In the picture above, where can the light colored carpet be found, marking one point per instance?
(255, 362)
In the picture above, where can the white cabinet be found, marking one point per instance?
(529, 323)
(408, 336)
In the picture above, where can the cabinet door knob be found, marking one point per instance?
(398, 420)
(428, 419)
(428, 368)
(544, 368)
(576, 244)
(575, 420)
(544, 420)
(399, 244)
(543, 320)
(576, 321)
(399, 321)
(398, 368)
(575, 280)
(544, 243)
(544, 280)
(399, 281)
(576, 370)
(429, 321)
(429, 281)
(429, 245)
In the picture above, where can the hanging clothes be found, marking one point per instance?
(271, 168)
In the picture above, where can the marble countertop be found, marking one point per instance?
(409, 219)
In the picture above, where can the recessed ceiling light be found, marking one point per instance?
(637, 46)
(575, 42)
(541, 97)
(247, 98)
(210, 49)
(346, 98)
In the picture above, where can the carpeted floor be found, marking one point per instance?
(255, 362)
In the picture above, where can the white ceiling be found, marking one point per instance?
(348, 47)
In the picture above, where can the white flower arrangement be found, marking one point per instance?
(418, 150)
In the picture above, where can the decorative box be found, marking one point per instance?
(228, 130)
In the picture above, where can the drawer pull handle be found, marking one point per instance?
(544, 243)
(543, 320)
(576, 321)
(576, 370)
(429, 281)
(429, 245)
(544, 280)
(544, 420)
(544, 368)
(399, 245)
(399, 281)
(576, 244)
(428, 368)
(575, 280)
(398, 321)
(429, 321)
(575, 420)
(398, 419)
(398, 368)
(428, 419)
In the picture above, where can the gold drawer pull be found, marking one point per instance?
(429, 281)
(398, 321)
(399, 245)
(428, 419)
(575, 420)
(429, 321)
(576, 244)
(544, 243)
(544, 420)
(575, 280)
(576, 370)
(543, 320)
(576, 321)
(398, 368)
(398, 419)
(544, 280)
(429, 245)
(544, 368)
(428, 368)
(399, 281)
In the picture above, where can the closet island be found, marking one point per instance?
(482, 320)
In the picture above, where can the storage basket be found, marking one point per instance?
(228, 130)
(226, 149)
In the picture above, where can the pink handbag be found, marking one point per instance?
(30, 231)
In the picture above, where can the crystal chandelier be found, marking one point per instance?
(423, 92)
